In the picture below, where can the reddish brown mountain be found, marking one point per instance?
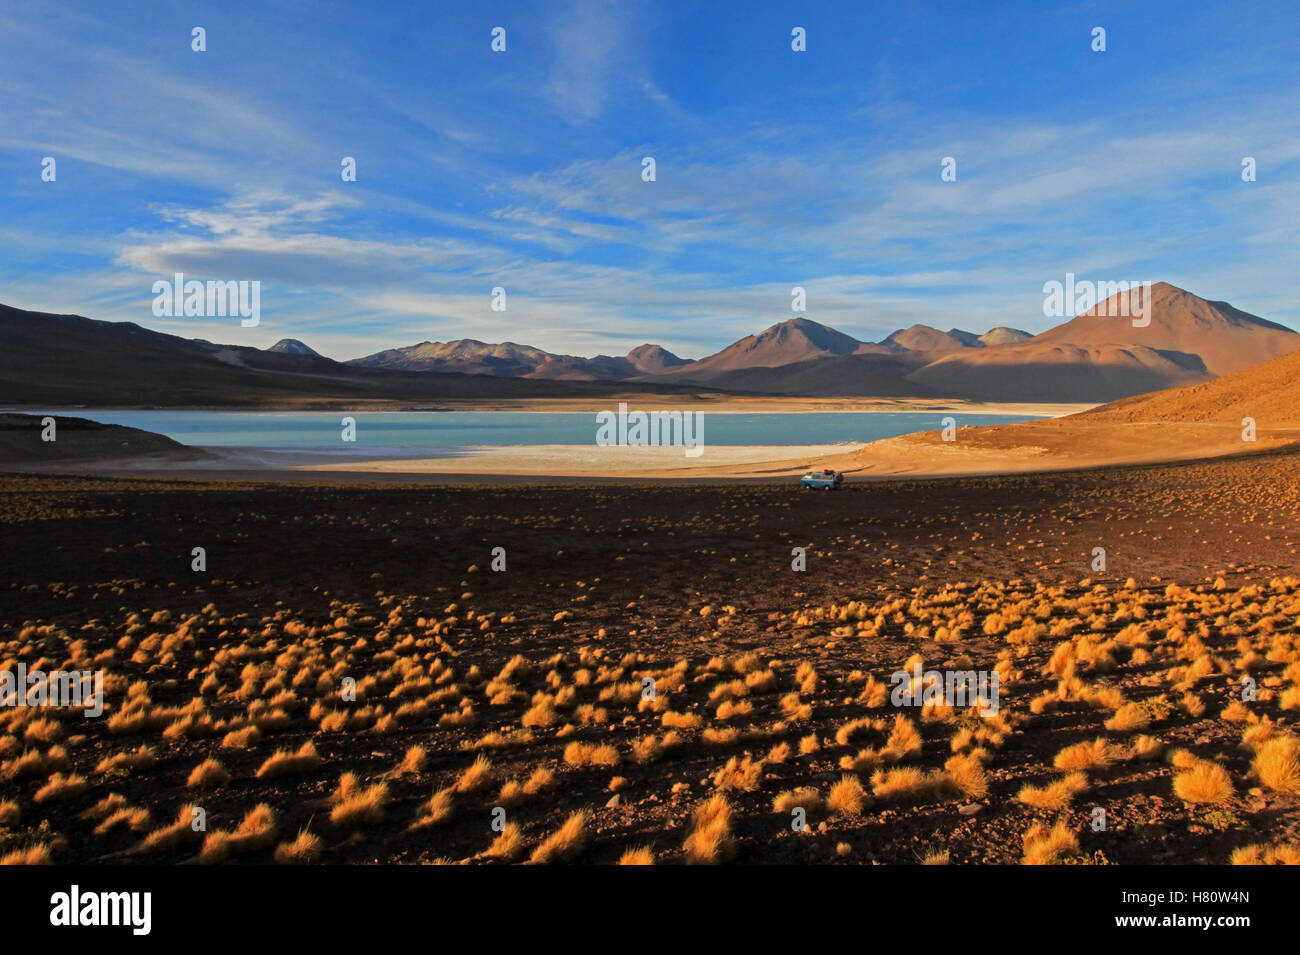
(1226, 338)
(1101, 355)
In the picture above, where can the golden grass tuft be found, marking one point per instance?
(1262, 854)
(414, 760)
(179, 833)
(256, 831)
(1045, 846)
(681, 721)
(353, 806)
(540, 780)
(245, 738)
(1129, 718)
(807, 798)
(590, 754)
(207, 774)
(1277, 764)
(1203, 782)
(62, 786)
(304, 850)
(120, 764)
(1054, 796)
(475, 777)
(1146, 747)
(966, 774)
(710, 841)
(847, 797)
(509, 844)
(437, 810)
(1095, 754)
(909, 784)
(32, 855)
(743, 774)
(286, 763)
(640, 855)
(904, 739)
(565, 843)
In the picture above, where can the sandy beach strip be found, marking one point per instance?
(758, 404)
(562, 460)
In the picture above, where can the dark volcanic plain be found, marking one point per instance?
(308, 585)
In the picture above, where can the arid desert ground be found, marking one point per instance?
(350, 680)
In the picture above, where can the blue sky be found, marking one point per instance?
(522, 169)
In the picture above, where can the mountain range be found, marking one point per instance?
(507, 360)
(1097, 356)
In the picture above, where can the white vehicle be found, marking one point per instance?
(826, 478)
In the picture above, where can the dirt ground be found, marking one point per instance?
(771, 684)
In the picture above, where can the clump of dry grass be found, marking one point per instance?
(647, 749)
(127, 762)
(904, 739)
(245, 738)
(681, 721)
(847, 797)
(43, 730)
(1262, 854)
(540, 780)
(1129, 718)
(352, 806)
(590, 754)
(730, 709)
(640, 855)
(739, 773)
(62, 786)
(179, 833)
(807, 798)
(304, 850)
(710, 841)
(909, 784)
(565, 843)
(1203, 782)
(285, 763)
(1054, 796)
(509, 844)
(1043, 846)
(1146, 747)
(437, 810)
(38, 854)
(112, 812)
(475, 777)
(207, 774)
(778, 753)
(1095, 754)
(35, 763)
(414, 760)
(256, 831)
(1277, 763)
(541, 714)
(966, 773)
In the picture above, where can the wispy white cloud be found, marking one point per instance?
(525, 171)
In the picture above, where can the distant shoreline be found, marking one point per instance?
(720, 404)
